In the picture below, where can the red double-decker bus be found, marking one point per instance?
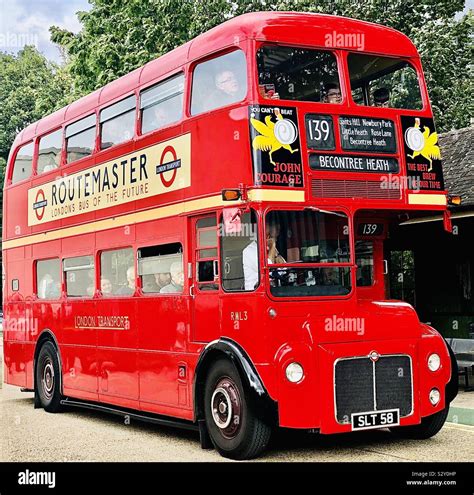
(200, 242)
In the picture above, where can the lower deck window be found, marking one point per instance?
(79, 273)
(48, 279)
(117, 272)
(160, 269)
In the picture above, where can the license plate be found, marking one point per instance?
(375, 419)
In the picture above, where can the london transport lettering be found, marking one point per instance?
(276, 148)
(155, 170)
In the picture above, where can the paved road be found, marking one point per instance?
(29, 434)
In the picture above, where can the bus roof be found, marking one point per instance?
(309, 29)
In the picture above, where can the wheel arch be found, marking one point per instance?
(452, 387)
(229, 349)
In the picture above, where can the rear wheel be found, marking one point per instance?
(428, 427)
(48, 378)
(235, 431)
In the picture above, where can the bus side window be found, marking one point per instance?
(48, 279)
(160, 268)
(117, 272)
(49, 155)
(162, 104)
(239, 256)
(219, 82)
(79, 273)
(23, 163)
(117, 122)
(80, 138)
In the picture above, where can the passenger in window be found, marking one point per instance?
(106, 286)
(227, 89)
(177, 279)
(330, 276)
(54, 290)
(381, 97)
(332, 93)
(250, 253)
(128, 289)
(157, 283)
(268, 91)
(45, 286)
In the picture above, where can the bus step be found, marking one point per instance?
(145, 417)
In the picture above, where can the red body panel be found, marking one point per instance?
(139, 366)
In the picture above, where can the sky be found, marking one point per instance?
(27, 22)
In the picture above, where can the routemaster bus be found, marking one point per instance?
(201, 241)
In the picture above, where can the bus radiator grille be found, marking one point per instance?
(362, 385)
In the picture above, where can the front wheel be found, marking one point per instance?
(48, 384)
(235, 431)
(428, 427)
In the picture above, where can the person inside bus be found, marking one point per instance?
(177, 279)
(332, 93)
(105, 286)
(44, 287)
(157, 281)
(250, 253)
(227, 89)
(129, 289)
(381, 97)
(330, 276)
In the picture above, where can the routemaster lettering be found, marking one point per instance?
(127, 178)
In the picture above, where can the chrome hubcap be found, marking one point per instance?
(226, 407)
(48, 378)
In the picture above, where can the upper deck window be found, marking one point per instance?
(80, 138)
(118, 122)
(384, 82)
(23, 163)
(219, 82)
(162, 104)
(49, 156)
(290, 73)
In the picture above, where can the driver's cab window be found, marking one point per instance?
(310, 251)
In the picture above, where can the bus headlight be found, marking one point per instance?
(294, 372)
(434, 396)
(434, 362)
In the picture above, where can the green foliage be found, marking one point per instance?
(30, 88)
(121, 35)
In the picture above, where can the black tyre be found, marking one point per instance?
(428, 427)
(235, 431)
(48, 378)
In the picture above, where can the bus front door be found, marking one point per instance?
(204, 285)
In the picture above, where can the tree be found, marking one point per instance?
(30, 88)
(121, 35)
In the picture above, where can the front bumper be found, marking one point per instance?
(313, 403)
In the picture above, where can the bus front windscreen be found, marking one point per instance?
(319, 241)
